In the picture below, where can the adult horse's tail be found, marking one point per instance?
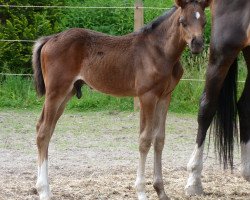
(225, 120)
(36, 62)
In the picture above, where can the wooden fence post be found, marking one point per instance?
(138, 24)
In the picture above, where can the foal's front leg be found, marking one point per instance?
(153, 115)
(159, 139)
(145, 140)
(148, 103)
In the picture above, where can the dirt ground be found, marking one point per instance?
(94, 156)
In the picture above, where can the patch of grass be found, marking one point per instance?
(18, 92)
(185, 98)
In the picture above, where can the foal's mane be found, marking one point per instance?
(154, 24)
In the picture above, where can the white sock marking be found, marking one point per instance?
(194, 167)
(42, 184)
(245, 160)
(140, 179)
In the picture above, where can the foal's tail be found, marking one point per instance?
(225, 121)
(36, 62)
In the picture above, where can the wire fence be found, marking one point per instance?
(85, 7)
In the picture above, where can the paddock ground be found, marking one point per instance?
(93, 156)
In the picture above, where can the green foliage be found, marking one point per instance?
(31, 23)
(24, 24)
(17, 92)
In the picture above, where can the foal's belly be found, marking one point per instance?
(110, 79)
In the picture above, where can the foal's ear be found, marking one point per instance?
(181, 3)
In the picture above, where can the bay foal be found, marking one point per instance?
(230, 35)
(143, 64)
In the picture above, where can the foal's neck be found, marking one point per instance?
(168, 37)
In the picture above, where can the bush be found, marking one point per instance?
(24, 24)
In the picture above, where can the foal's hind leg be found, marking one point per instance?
(244, 116)
(158, 141)
(52, 110)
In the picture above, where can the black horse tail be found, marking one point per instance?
(36, 62)
(225, 120)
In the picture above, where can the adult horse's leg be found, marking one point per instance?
(53, 108)
(221, 58)
(244, 116)
(148, 103)
(159, 139)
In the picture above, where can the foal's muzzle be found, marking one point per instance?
(197, 45)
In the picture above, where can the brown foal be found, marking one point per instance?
(143, 64)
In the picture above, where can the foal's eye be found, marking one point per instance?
(183, 22)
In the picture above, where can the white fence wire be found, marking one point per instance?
(84, 7)
(88, 7)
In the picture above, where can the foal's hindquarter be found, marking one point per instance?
(230, 35)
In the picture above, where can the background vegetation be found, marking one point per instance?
(31, 23)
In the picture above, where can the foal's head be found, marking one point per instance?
(192, 22)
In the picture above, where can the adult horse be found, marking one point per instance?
(144, 64)
(230, 35)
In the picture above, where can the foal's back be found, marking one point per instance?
(101, 60)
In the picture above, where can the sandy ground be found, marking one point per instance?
(94, 156)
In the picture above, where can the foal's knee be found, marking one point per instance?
(38, 125)
(145, 144)
(42, 138)
(159, 143)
